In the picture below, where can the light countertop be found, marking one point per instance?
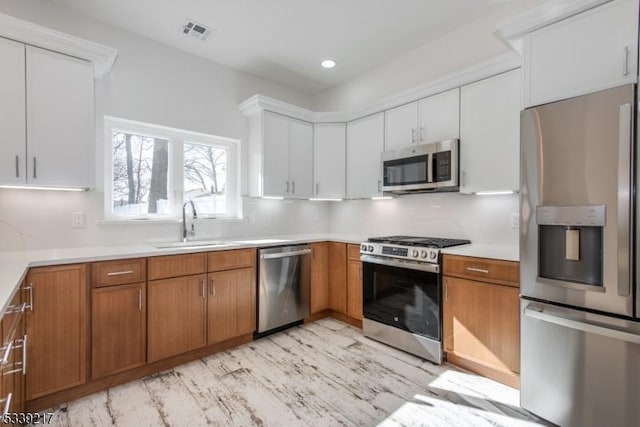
(14, 265)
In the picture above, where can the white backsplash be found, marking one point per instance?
(31, 220)
(481, 219)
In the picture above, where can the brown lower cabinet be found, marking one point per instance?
(481, 324)
(177, 316)
(13, 335)
(354, 289)
(57, 329)
(232, 308)
(319, 298)
(118, 328)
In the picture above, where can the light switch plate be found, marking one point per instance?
(77, 220)
(514, 220)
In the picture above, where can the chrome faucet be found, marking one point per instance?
(188, 233)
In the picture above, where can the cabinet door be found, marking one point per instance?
(301, 159)
(12, 113)
(490, 134)
(118, 329)
(232, 304)
(60, 123)
(275, 155)
(11, 372)
(176, 316)
(440, 117)
(592, 51)
(365, 141)
(330, 146)
(401, 126)
(338, 277)
(481, 325)
(319, 277)
(57, 328)
(354, 289)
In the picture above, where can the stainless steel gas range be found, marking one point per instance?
(402, 292)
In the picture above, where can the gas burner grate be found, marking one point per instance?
(433, 242)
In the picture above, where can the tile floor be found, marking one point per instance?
(320, 374)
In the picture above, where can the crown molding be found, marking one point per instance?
(542, 15)
(496, 65)
(102, 57)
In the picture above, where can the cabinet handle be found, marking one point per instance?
(139, 299)
(119, 273)
(464, 178)
(213, 288)
(6, 353)
(287, 187)
(34, 167)
(202, 290)
(7, 404)
(379, 186)
(24, 354)
(625, 61)
(30, 289)
(413, 135)
(317, 188)
(421, 133)
(478, 270)
(293, 187)
(17, 166)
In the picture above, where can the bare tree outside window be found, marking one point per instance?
(205, 177)
(140, 174)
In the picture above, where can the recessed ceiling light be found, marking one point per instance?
(328, 63)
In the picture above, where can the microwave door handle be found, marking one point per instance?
(430, 168)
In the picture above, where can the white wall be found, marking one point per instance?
(481, 219)
(462, 48)
(157, 84)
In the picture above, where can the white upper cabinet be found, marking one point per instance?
(12, 113)
(330, 147)
(365, 143)
(592, 51)
(490, 134)
(301, 158)
(46, 116)
(60, 122)
(401, 126)
(439, 117)
(282, 157)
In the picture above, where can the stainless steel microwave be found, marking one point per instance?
(421, 168)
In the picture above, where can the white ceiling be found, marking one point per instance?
(285, 40)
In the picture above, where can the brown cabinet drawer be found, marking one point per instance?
(118, 272)
(177, 265)
(353, 252)
(229, 260)
(483, 269)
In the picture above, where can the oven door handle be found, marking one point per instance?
(430, 268)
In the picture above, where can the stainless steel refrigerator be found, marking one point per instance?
(580, 331)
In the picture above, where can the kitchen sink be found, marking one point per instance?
(194, 245)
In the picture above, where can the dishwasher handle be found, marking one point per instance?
(285, 254)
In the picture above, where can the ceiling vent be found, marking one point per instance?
(196, 29)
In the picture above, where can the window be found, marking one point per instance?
(153, 170)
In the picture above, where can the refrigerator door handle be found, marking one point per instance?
(625, 136)
(535, 311)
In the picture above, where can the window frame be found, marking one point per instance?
(175, 174)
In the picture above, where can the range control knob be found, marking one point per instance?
(424, 254)
(433, 255)
(370, 248)
(363, 248)
(415, 253)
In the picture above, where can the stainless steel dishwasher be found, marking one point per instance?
(283, 289)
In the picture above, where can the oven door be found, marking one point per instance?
(404, 295)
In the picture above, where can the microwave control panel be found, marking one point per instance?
(442, 166)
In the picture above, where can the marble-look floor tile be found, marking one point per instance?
(324, 373)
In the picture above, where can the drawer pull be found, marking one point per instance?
(119, 273)
(478, 270)
(17, 308)
(7, 350)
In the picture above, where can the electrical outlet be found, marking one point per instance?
(515, 220)
(77, 220)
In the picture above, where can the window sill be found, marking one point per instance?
(108, 222)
